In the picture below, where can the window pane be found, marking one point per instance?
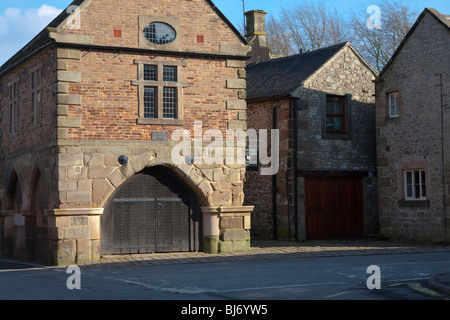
(335, 105)
(169, 103)
(335, 124)
(409, 185)
(424, 185)
(33, 80)
(159, 33)
(170, 74)
(150, 73)
(393, 104)
(149, 102)
(417, 184)
(38, 109)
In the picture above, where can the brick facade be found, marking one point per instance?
(416, 138)
(91, 117)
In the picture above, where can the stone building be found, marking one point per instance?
(413, 135)
(323, 106)
(89, 110)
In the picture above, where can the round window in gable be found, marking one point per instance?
(159, 33)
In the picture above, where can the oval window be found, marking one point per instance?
(159, 33)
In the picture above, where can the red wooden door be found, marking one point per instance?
(333, 208)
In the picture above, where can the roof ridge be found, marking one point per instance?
(296, 55)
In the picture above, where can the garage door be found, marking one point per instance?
(151, 212)
(333, 208)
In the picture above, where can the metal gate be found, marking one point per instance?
(153, 211)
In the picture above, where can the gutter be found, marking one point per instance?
(294, 104)
(443, 157)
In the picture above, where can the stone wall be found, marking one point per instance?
(348, 75)
(416, 139)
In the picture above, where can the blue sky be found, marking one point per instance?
(21, 20)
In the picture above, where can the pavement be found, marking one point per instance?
(270, 249)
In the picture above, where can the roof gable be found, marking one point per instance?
(43, 39)
(283, 76)
(444, 20)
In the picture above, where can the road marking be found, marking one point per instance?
(418, 287)
(337, 294)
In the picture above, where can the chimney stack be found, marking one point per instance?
(256, 35)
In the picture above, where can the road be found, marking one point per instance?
(402, 277)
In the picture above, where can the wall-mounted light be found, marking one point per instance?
(123, 160)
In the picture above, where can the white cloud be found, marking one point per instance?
(18, 27)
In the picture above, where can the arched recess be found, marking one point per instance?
(152, 211)
(14, 193)
(36, 221)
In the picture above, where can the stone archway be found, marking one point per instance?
(152, 211)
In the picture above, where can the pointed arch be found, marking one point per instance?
(14, 193)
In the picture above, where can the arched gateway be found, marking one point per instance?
(153, 211)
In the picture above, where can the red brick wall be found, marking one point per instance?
(102, 17)
(30, 135)
(109, 107)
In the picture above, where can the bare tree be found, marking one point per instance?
(307, 26)
(313, 25)
(278, 39)
(377, 45)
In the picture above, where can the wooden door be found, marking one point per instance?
(151, 212)
(333, 208)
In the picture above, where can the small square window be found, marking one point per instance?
(170, 73)
(150, 73)
(393, 104)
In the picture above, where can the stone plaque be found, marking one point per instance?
(160, 135)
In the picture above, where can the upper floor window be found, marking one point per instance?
(393, 101)
(159, 32)
(335, 114)
(14, 107)
(36, 95)
(160, 91)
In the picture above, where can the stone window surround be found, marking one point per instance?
(171, 21)
(404, 166)
(348, 115)
(141, 83)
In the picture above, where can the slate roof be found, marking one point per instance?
(282, 76)
(42, 40)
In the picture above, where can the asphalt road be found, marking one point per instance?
(401, 277)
